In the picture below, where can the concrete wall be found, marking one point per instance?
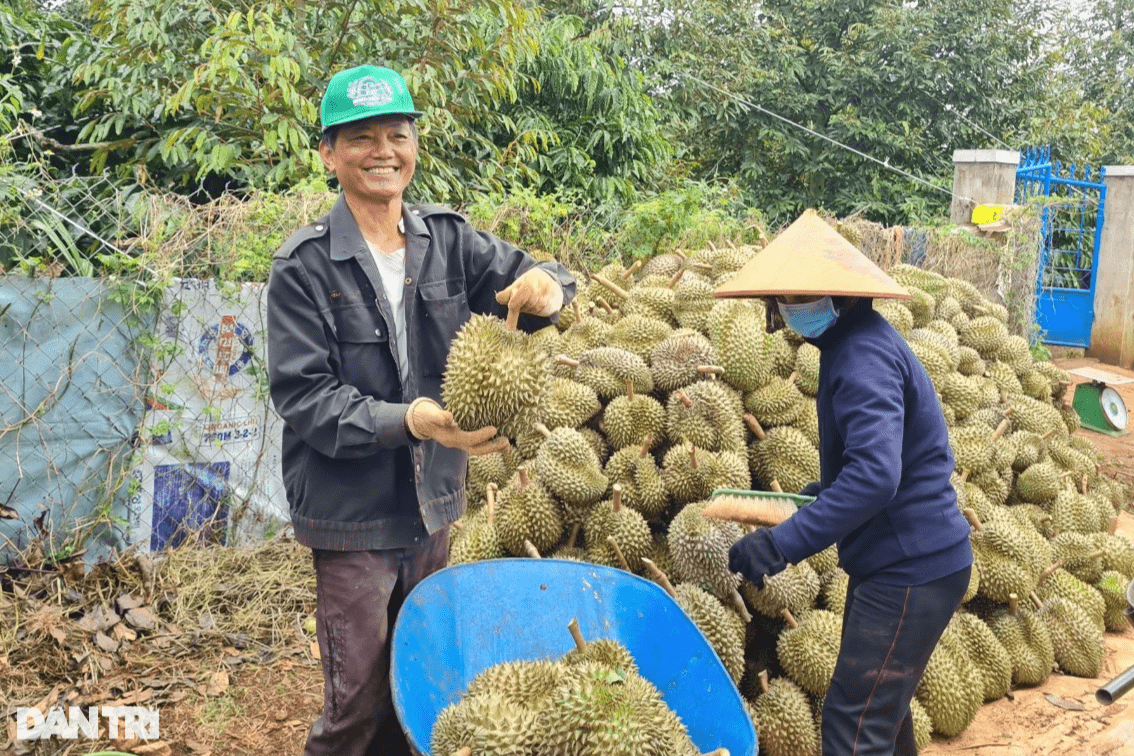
(982, 177)
(1112, 337)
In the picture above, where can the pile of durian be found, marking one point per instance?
(592, 702)
(650, 393)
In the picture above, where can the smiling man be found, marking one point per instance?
(362, 306)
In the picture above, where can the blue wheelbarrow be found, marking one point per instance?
(466, 618)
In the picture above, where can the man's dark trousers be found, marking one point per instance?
(359, 595)
(889, 633)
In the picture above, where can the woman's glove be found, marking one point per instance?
(756, 556)
(535, 292)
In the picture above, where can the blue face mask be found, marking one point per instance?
(810, 319)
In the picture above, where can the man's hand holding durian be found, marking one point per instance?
(426, 419)
(535, 292)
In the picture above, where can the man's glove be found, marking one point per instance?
(535, 292)
(426, 419)
(756, 556)
(811, 489)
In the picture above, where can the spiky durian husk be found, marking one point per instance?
(777, 402)
(741, 344)
(782, 716)
(1028, 642)
(699, 547)
(488, 723)
(570, 469)
(567, 404)
(627, 421)
(628, 529)
(712, 420)
(988, 654)
(808, 652)
(951, 689)
(722, 627)
(528, 513)
(794, 589)
(639, 334)
(643, 488)
(526, 683)
(492, 374)
(1077, 643)
(785, 455)
(674, 361)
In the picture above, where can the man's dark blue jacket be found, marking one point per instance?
(885, 461)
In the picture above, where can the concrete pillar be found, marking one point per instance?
(982, 177)
(1112, 336)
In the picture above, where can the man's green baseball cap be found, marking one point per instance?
(364, 92)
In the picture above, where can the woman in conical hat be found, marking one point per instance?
(885, 497)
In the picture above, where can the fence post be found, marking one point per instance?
(982, 177)
(1112, 337)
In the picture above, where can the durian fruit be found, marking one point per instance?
(935, 363)
(477, 538)
(922, 725)
(964, 292)
(653, 297)
(722, 627)
(1040, 483)
(606, 370)
(664, 264)
(782, 716)
(947, 306)
(1078, 645)
(1015, 352)
(692, 302)
(1005, 560)
(962, 393)
(808, 649)
(742, 347)
(1071, 459)
(605, 651)
(1031, 448)
(935, 284)
(569, 468)
(639, 334)
(568, 316)
(643, 489)
(970, 361)
(729, 261)
(951, 689)
(783, 454)
(616, 536)
(795, 589)
(1111, 587)
(707, 414)
(835, 592)
(1056, 582)
(777, 402)
(588, 332)
(986, 334)
(1036, 385)
(567, 404)
(598, 443)
(808, 420)
(680, 359)
(1026, 639)
(782, 352)
(1033, 415)
(825, 563)
(945, 343)
(492, 375)
(1080, 555)
(972, 447)
(569, 550)
(497, 467)
(898, 315)
(487, 723)
(921, 305)
(699, 547)
(692, 474)
(807, 366)
(988, 654)
(524, 683)
(600, 710)
(1117, 552)
(528, 512)
(631, 418)
(1071, 511)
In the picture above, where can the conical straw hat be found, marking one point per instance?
(810, 257)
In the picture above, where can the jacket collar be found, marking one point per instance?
(843, 324)
(346, 237)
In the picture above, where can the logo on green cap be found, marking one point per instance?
(365, 92)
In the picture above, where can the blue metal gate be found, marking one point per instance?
(1069, 250)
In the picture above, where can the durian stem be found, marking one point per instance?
(617, 497)
(1112, 526)
(614, 288)
(1083, 484)
(703, 267)
(531, 550)
(578, 312)
(775, 486)
(647, 442)
(718, 752)
(574, 536)
(763, 680)
(792, 377)
(1003, 396)
(563, 359)
(634, 268)
(974, 521)
(754, 425)
(965, 475)
(513, 318)
(1013, 604)
(730, 244)
(710, 370)
(693, 456)
(458, 524)
(676, 278)
(712, 246)
(1096, 554)
(738, 605)
(659, 576)
(793, 623)
(491, 494)
(522, 473)
(464, 751)
(541, 429)
(683, 398)
(630, 388)
(1050, 571)
(577, 634)
(1001, 429)
(618, 553)
(604, 305)
(1035, 600)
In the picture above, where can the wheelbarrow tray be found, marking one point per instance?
(466, 618)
